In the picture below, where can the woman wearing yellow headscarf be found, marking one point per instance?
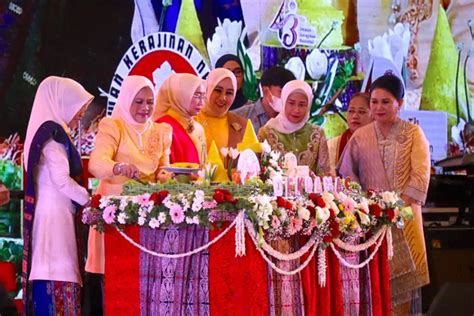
(225, 128)
(180, 98)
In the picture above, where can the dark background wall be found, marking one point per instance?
(80, 39)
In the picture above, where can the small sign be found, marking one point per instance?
(435, 126)
(292, 29)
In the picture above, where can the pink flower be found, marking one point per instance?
(275, 222)
(177, 214)
(209, 205)
(109, 214)
(143, 199)
(349, 205)
(295, 225)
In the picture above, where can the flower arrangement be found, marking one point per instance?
(333, 214)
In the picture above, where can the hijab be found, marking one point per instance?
(281, 122)
(240, 98)
(163, 98)
(130, 87)
(57, 99)
(213, 79)
(177, 93)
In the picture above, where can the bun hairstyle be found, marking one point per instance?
(391, 83)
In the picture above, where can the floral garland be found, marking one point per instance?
(332, 214)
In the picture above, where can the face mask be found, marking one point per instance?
(276, 104)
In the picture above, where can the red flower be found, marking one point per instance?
(332, 214)
(371, 192)
(95, 200)
(312, 211)
(390, 214)
(218, 196)
(289, 206)
(222, 195)
(281, 202)
(375, 210)
(317, 200)
(159, 197)
(334, 227)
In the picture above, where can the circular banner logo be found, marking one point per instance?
(156, 56)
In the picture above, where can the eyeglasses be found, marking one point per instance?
(238, 72)
(199, 96)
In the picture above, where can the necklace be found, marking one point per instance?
(140, 136)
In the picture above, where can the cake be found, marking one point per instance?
(327, 22)
(323, 16)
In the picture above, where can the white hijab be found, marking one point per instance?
(281, 122)
(130, 87)
(213, 79)
(57, 99)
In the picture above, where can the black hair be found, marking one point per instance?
(390, 83)
(276, 76)
(228, 57)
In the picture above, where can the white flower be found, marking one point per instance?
(199, 195)
(322, 214)
(364, 218)
(104, 201)
(283, 215)
(303, 213)
(266, 147)
(161, 217)
(316, 64)
(224, 151)
(234, 153)
(296, 66)
(364, 205)
(123, 204)
(154, 223)
(275, 155)
(122, 218)
(141, 220)
(389, 197)
(197, 206)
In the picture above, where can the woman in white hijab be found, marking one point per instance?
(291, 132)
(179, 100)
(52, 199)
(288, 132)
(129, 145)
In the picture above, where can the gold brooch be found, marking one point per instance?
(190, 127)
(236, 126)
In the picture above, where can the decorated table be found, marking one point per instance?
(232, 228)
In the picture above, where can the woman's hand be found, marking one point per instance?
(127, 170)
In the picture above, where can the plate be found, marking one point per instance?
(180, 170)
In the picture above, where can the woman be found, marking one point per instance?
(392, 154)
(233, 63)
(129, 145)
(358, 115)
(53, 200)
(180, 285)
(290, 132)
(229, 277)
(180, 99)
(225, 128)
(356, 293)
